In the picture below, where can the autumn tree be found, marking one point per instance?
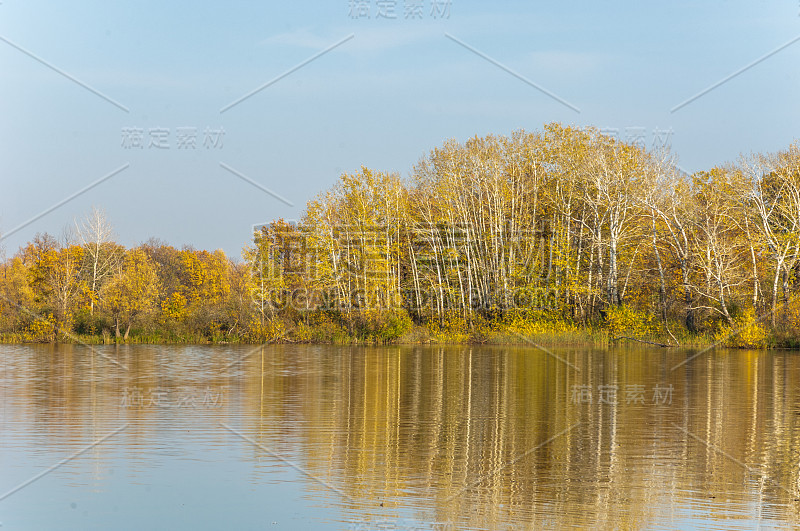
(66, 284)
(718, 238)
(131, 294)
(267, 261)
(101, 254)
(672, 203)
(205, 286)
(16, 294)
(774, 195)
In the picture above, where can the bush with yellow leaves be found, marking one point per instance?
(270, 330)
(451, 328)
(42, 330)
(534, 322)
(626, 321)
(746, 332)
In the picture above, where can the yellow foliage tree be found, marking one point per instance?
(132, 293)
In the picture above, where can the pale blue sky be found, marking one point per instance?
(383, 98)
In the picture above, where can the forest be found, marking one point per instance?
(559, 236)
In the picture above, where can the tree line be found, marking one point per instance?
(561, 229)
(85, 284)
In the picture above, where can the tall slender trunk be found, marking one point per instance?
(662, 289)
(691, 326)
(753, 261)
(785, 293)
(613, 281)
(775, 280)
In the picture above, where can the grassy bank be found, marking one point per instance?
(544, 334)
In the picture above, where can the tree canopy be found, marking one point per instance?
(561, 229)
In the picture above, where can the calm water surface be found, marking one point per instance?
(320, 437)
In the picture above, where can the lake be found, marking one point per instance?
(356, 438)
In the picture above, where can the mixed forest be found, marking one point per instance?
(559, 235)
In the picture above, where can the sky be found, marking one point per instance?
(193, 122)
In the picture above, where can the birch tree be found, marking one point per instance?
(101, 255)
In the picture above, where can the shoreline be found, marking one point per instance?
(574, 338)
